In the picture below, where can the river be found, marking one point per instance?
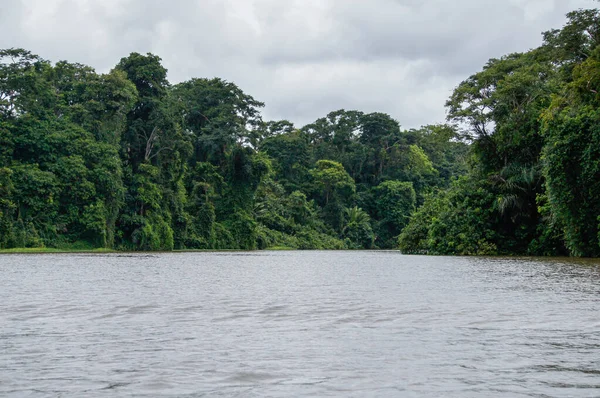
(293, 324)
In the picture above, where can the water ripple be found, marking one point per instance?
(349, 324)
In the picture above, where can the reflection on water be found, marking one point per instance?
(298, 324)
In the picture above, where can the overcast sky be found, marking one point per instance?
(303, 58)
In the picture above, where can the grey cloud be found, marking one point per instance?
(304, 58)
(436, 30)
(10, 20)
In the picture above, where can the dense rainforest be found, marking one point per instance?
(533, 185)
(129, 161)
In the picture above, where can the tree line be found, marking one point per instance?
(533, 185)
(127, 160)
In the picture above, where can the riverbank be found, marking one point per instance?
(26, 250)
(42, 250)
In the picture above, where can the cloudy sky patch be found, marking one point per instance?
(303, 58)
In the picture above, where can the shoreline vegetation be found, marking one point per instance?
(51, 250)
(126, 161)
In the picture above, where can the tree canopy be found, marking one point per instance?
(127, 160)
(533, 183)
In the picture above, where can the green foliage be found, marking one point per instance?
(334, 189)
(291, 156)
(414, 238)
(127, 160)
(7, 208)
(393, 205)
(533, 186)
(242, 227)
(154, 234)
(418, 162)
(217, 114)
(458, 221)
(332, 181)
(572, 158)
(357, 229)
(93, 221)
